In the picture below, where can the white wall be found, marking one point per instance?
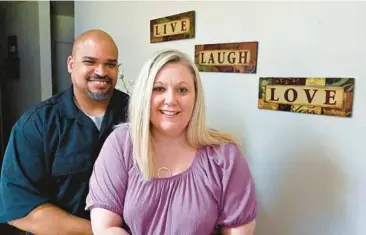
(62, 39)
(310, 170)
(30, 22)
(45, 49)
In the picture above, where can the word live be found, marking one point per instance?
(171, 28)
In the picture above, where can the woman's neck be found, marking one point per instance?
(159, 140)
(172, 155)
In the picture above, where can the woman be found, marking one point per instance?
(165, 172)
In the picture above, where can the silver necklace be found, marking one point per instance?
(166, 169)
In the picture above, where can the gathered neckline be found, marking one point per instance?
(183, 173)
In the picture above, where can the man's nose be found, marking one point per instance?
(101, 70)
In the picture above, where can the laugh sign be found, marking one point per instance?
(238, 57)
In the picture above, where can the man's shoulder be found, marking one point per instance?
(40, 111)
(120, 96)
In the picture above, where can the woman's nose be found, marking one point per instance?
(170, 96)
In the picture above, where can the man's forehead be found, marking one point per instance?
(90, 57)
(96, 49)
(96, 54)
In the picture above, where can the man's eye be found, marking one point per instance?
(88, 62)
(159, 89)
(111, 65)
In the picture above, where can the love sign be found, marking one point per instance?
(323, 96)
(174, 27)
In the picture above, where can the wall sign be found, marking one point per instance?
(174, 27)
(240, 57)
(323, 96)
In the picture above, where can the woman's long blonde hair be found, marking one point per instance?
(139, 112)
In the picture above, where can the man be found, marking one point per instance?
(53, 146)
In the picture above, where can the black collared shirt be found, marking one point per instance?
(50, 155)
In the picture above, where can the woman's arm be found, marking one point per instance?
(105, 222)
(238, 202)
(247, 229)
(108, 185)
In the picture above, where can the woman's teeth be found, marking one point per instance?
(168, 112)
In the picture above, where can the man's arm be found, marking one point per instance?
(24, 184)
(48, 219)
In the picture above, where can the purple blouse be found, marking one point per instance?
(217, 190)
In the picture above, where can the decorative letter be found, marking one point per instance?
(273, 94)
(157, 30)
(173, 26)
(202, 58)
(328, 96)
(243, 55)
(211, 60)
(310, 98)
(230, 58)
(184, 25)
(294, 95)
(221, 59)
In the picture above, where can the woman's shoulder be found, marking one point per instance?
(223, 159)
(120, 140)
(217, 163)
(120, 134)
(121, 129)
(225, 153)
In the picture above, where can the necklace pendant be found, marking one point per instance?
(164, 169)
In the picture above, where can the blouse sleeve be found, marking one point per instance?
(238, 204)
(108, 183)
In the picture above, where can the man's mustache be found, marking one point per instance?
(100, 78)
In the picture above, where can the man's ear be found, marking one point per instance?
(70, 63)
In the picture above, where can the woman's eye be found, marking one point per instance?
(159, 89)
(182, 90)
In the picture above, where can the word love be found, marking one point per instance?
(305, 95)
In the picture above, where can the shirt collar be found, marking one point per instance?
(69, 109)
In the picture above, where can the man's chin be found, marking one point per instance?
(100, 96)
